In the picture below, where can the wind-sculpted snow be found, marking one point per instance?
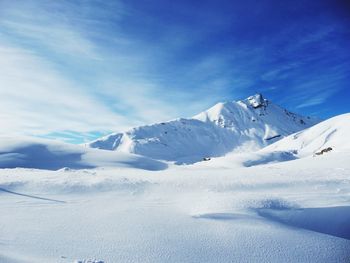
(268, 157)
(52, 155)
(328, 220)
(242, 126)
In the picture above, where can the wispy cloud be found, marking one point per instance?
(41, 25)
(42, 97)
(317, 91)
(56, 38)
(37, 99)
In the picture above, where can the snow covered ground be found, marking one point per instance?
(215, 211)
(283, 203)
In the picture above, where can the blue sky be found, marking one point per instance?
(75, 70)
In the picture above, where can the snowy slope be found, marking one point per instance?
(294, 211)
(241, 126)
(330, 134)
(52, 155)
(183, 140)
(333, 133)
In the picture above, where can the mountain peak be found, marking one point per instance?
(256, 101)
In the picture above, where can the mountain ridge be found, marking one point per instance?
(245, 125)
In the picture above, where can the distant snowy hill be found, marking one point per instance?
(52, 155)
(322, 139)
(242, 126)
(332, 133)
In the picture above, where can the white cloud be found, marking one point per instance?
(43, 25)
(143, 100)
(57, 38)
(312, 102)
(38, 96)
(37, 99)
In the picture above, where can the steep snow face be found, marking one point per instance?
(241, 126)
(331, 133)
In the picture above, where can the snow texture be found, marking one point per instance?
(295, 211)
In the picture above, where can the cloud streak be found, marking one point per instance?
(41, 97)
(36, 99)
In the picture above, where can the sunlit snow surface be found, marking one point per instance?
(280, 204)
(295, 211)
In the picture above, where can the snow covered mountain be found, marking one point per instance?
(241, 126)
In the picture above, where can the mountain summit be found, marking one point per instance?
(239, 126)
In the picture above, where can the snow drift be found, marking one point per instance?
(53, 155)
